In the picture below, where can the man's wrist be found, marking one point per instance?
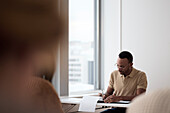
(121, 98)
(106, 94)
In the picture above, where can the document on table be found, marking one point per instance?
(88, 103)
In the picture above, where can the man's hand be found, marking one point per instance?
(103, 96)
(100, 94)
(112, 98)
(107, 94)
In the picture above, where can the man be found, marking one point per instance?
(125, 83)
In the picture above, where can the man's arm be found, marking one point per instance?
(109, 91)
(138, 92)
(113, 98)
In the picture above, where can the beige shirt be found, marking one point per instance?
(127, 86)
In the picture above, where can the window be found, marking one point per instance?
(82, 44)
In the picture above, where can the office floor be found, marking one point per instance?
(68, 108)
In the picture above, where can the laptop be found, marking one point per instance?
(118, 102)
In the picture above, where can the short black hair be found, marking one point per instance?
(126, 54)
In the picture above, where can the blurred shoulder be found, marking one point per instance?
(43, 95)
(40, 85)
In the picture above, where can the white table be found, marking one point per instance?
(68, 100)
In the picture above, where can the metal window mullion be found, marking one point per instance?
(64, 75)
(97, 37)
(101, 45)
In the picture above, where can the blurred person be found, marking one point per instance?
(157, 101)
(125, 83)
(29, 29)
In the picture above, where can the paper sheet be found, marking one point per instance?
(88, 103)
(124, 102)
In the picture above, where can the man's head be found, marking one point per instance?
(124, 63)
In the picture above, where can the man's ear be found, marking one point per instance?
(131, 64)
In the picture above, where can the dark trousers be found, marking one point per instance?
(115, 110)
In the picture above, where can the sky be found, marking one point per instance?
(81, 20)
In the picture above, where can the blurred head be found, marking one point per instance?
(124, 62)
(156, 101)
(29, 34)
(29, 29)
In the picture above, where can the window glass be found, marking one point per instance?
(81, 45)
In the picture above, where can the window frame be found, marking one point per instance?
(61, 83)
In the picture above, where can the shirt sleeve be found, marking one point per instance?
(142, 83)
(111, 81)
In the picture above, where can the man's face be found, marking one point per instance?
(123, 66)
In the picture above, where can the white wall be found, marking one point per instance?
(110, 36)
(145, 32)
